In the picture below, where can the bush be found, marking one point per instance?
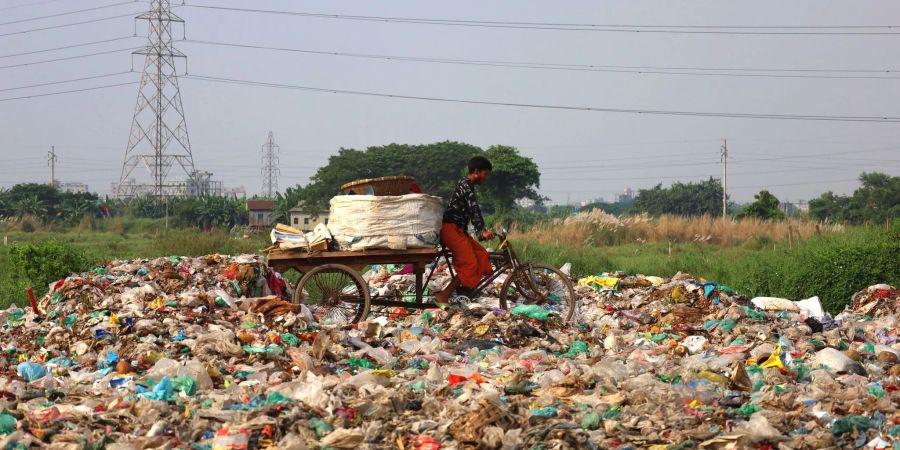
(833, 268)
(27, 226)
(41, 263)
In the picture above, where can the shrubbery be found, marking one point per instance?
(832, 267)
(41, 263)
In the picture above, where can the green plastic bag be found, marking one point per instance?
(727, 325)
(320, 427)
(877, 391)
(612, 413)
(361, 363)
(184, 384)
(275, 398)
(271, 350)
(746, 410)
(850, 423)
(754, 315)
(590, 421)
(577, 348)
(7, 423)
(535, 312)
(290, 339)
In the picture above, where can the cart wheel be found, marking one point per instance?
(542, 285)
(334, 293)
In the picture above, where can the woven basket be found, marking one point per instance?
(379, 186)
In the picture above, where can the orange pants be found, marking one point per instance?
(470, 259)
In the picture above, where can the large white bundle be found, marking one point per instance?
(362, 222)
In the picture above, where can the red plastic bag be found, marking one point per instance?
(231, 272)
(425, 442)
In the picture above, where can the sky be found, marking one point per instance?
(582, 154)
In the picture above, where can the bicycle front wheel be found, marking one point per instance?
(539, 284)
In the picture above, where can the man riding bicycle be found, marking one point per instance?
(470, 259)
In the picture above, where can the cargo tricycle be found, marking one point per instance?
(333, 289)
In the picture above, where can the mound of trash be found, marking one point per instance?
(209, 353)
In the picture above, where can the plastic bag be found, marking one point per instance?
(532, 311)
(31, 371)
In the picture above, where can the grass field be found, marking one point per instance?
(786, 259)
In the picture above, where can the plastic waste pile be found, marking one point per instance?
(207, 353)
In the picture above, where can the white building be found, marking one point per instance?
(305, 221)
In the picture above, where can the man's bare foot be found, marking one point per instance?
(443, 298)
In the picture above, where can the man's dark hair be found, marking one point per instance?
(479, 163)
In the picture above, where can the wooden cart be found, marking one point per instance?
(332, 286)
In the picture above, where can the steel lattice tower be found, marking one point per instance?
(159, 136)
(270, 169)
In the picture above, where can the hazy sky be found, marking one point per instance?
(582, 154)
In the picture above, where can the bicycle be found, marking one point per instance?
(524, 283)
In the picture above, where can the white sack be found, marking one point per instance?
(362, 222)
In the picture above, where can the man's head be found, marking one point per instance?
(479, 169)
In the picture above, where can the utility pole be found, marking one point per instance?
(51, 161)
(159, 136)
(724, 178)
(270, 169)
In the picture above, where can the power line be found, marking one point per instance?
(95, 8)
(884, 119)
(94, 77)
(673, 29)
(650, 70)
(28, 4)
(794, 184)
(67, 92)
(65, 47)
(71, 24)
(67, 58)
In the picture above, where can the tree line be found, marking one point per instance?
(511, 196)
(46, 204)
(877, 200)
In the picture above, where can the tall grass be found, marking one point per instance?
(600, 228)
(832, 266)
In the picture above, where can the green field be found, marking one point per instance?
(831, 266)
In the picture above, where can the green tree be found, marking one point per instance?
(513, 178)
(829, 207)
(31, 205)
(215, 211)
(5, 209)
(33, 199)
(72, 210)
(764, 207)
(437, 167)
(686, 199)
(876, 200)
(284, 202)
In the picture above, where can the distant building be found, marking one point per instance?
(260, 213)
(792, 209)
(75, 188)
(627, 196)
(306, 221)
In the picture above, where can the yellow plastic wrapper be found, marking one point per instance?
(774, 360)
(600, 282)
(384, 373)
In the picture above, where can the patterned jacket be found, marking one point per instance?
(463, 207)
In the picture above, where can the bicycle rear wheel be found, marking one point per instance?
(542, 285)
